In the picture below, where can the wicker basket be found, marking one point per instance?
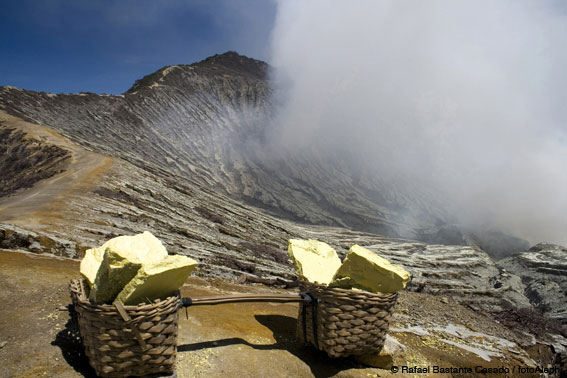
(123, 341)
(344, 322)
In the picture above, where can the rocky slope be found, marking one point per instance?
(229, 239)
(543, 269)
(25, 161)
(183, 163)
(210, 121)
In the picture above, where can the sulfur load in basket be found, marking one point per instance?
(123, 341)
(350, 312)
(127, 305)
(133, 269)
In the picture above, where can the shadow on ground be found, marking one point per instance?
(69, 341)
(283, 329)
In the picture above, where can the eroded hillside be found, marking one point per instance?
(209, 122)
(25, 161)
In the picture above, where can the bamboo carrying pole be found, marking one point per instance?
(282, 298)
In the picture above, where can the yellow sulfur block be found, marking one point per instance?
(363, 269)
(121, 259)
(157, 280)
(314, 261)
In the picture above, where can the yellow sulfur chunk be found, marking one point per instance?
(145, 244)
(363, 269)
(157, 280)
(314, 261)
(91, 262)
(121, 259)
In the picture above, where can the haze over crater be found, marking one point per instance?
(460, 102)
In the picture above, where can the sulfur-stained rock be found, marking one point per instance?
(363, 269)
(314, 261)
(157, 280)
(385, 358)
(122, 257)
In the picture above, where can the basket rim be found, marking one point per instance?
(324, 287)
(78, 293)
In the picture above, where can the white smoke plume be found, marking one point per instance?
(465, 97)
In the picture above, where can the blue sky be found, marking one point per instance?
(103, 46)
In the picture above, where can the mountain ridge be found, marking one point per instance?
(211, 120)
(208, 124)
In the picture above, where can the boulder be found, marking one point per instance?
(91, 262)
(543, 270)
(363, 269)
(314, 261)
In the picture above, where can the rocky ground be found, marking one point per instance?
(250, 340)
(235, 243)
(543, 269)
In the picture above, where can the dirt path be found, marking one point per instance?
(33, 207)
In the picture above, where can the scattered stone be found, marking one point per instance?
(278, 282)
(3, 344)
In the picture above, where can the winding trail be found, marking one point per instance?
(34, 207)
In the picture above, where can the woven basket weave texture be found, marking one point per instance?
(145, 344)
(346, 322)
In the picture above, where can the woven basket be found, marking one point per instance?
(122, 341)
(344, 322)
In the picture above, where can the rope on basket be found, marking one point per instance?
(128, 320)
(309, 298)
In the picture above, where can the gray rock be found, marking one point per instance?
(543, 269)
(17, 238)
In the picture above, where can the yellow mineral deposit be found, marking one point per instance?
(314, 261)
(363, 269)
(157, 280)
(91, 262)
(144, 244)
(116, 270)
(112, 266)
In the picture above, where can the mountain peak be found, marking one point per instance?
(229, 63)
(233, 61)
